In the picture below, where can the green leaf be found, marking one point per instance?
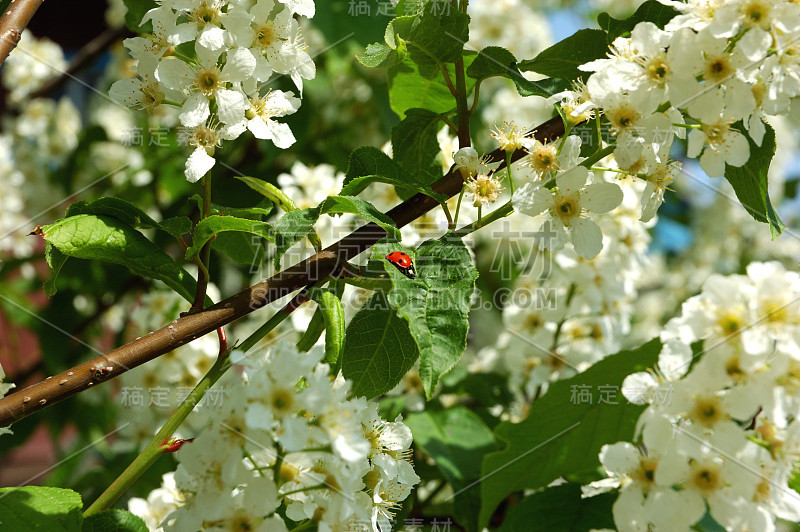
(415, 146)
(650, 11)
(269, 191)
(495, 61)
(561, 508)
(41, 508)
(378, 55)
(398, 26)
(55, 259)
(436, 303)
(241, 248)
(457, 440)
(264, 208)
(333, 316)
(750, 182)
(364, 209)
(208, 227)
(114, 520)
(129, 214)
(107, 239)
(291, 228)
(177, 226)
(260, 210)
(136, 10)
(412, 86)
(370, 165)
(563, 58)
(562, 436)
(437, 35)
(378, 348)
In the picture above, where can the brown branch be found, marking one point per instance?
(16, 17)
(326, 263)
(84, 58)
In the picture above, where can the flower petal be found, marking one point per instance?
(240, 64)
(572, 180)
(601, 197)
(198, 164)
(231, 106)
(586, 237)
(174, 73)
(195, 110)
(532, 199)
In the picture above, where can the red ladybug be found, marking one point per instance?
(403, 263)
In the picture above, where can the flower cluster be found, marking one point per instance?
(150, 392)
(567, 204)
(32, 62)
(722, 65)
(214, 59)
(720, 433)
(565, 313)
(36, 140)
(289, 435)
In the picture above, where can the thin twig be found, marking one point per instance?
(326, 263)
(13, 22)
(84, 58)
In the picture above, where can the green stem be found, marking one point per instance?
(508, 173)
(300, 490)
(598, 132)
(475, 95)
(560, 324)
(449, 123)
(617, 170)
(447, 79)
(205, 252)
(154, 450)
(305, 525)
(458, 206)
(273, 322)
(447, 214)
(369, 284)
(567, 129)
(493, 216)
(464, 139)
(598, 155)
(185, 58)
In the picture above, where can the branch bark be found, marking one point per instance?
(326, 263)
(13, 22)
(84, 58)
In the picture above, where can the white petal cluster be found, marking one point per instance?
(564, 313)
(213, 59)
(30, 64)
(35, 142)
(512, 24)
(720, 431)
(722, 65)
(37, 138)
(288, 435)
(151, 392)
(567, 206)
(159, 503)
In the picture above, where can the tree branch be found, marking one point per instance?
(326, 263)
(16, 17)
(84, 58)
